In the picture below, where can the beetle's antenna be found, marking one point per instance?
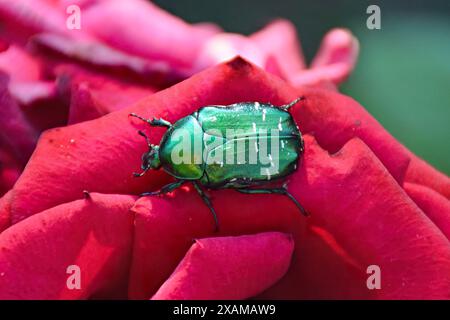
(141, 118)
(141, 133)
(287, 106)
(155, 122)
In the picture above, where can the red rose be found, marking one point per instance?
(372, 202)
(59, 76)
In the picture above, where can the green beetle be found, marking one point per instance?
(193, 148)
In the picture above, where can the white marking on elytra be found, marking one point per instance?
(256, 146)
(271, 160)
(213, 119)
(264, 115)
(282, 144)
(280, 127)
(219, 163)
(254, 126)
(268, 174)
(257, 105)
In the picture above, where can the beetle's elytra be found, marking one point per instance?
(220, 163)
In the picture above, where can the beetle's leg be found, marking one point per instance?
(138, 175)
(207, 202)
(282, 191)
(149, 144)
(287, 106)
(166, 189)
(154, 122)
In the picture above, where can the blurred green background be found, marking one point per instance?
(403, 74)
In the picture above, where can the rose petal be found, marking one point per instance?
(334, 119)
(94, 234)
(272, 66)
(334, 61)
(164, 230)
(20, 65)
(4, 45)
(23, 18)
(27, 93)
(42, 105)
(29, 90)
(8, 176)
(16, 134)
(420, 172)
(10, 170)
(225, 46)
(280, 39)
(229, 267)
(81, 3)
(5, 220)
(97, 55)
(435, 206)
(332, 257)
(338, 46)
(93, 95)
(335, 73)
(352, 196)
(83, 106)
(165, 227)
(321, 269)
(162, 38)
(103, 153)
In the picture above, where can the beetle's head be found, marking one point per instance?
(150, 159)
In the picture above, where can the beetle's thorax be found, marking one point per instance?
(155, 162)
